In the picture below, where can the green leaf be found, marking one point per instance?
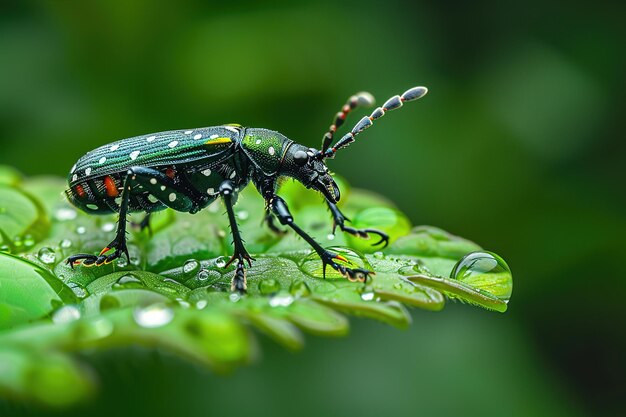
(23, 220)
(175, 291)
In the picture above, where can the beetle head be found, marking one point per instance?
(301, 164)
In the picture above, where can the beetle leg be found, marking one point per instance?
(269, 219)
(280, 209)
(339, 220)
(240, 254)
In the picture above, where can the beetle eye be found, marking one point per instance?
(301, 158)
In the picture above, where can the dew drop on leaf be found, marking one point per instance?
(29, 241)
(5, 248)
(234, 297)
(127, 281)
(79, 291)
(299, 289)
(191, 267)
(65, 244)
(220, 262)
(156, 315)
(281, 300)
(66, 314)
(201, 304)
(47, 255)
(108, 227)
(485, 271)
(81, 230)
(64, 214)
(269, 286)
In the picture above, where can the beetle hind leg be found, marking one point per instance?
(339, 220)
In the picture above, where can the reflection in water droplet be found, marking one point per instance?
(65, 213)
(201, 304)
(134, 260)
(47, 255)
(79, 291)
(108, 227)
(367, 296)
(234, 297)
(281, 300)
(66, 314)
(485, 271)
(220, 262)
(299, 289)
(191, 267)
(65, 244)
(156, 315)
(81, 230)
(203, 275)
(122, 262)
(269, 286)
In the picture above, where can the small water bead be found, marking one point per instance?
(108, 227)
(281, 300)
(269, 286)
(47, 255)
(299, 289)
(156, 315)
(183, 303)
(79, 291)
(65, 244)
(201, 304)
(330, 236)
(17, 242)
(203, 275)
(243, 215)
(66, 314)
(220, 262)
(485, 271)
(378, 255)
(234, 297)
(191, 267)
(367, 296)
(81, 230)
(64, 213)
(29, 241)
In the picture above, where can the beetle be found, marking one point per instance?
(186, 170)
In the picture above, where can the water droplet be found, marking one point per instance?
(378, 255)
(234, 297)
(122, 262)
(183, 303)
(367, 296)
(65, 244)
(5, 248)
(201, 304)
(397, 285)
(17, 241)
(81, 230)
(79, 291)
(108, 227)
(66, 314)
(191, 267)
(96, 328)
(220, 262)
(243, 215)
(127, 281)
(47, 255)
(281, 300)
(203, 275)
(331, 236)
(134, 260)
(299, 289)
(269, 286)
(29, 241)
(485, 271)
(156, 315)
(65, 213)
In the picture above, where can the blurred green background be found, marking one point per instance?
(519, 146)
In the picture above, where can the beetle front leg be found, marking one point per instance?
(339, 220)
(238, 283)
(280, 209)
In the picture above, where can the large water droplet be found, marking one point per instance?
(281, 300)
(66, 314)
(47, 255)
(156, 315)
(220, 262)
(191, 267)
(269, 286)
(485, 271)
(299, 289)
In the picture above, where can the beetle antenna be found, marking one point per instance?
(393, 103)
(362, 99)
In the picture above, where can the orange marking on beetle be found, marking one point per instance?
(110, 187)
(170, 172)
(80, 191)
(105, 250)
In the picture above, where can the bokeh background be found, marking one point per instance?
(519, 146)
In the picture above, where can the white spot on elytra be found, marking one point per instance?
(271, 150)
(172, 197)
(151, 138)
(232, 174)
(74, 177)
(163, 188)
(232, 129)
(211, 191)
(206, 172)
(153, 180)
(188, 132)
(92, 207)
(102, 160)
(88, 171)
(134, 154)
(258, 141)
(172, 144)
(114, 147)
(214, 136)
(152, 199)
(198, 136)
